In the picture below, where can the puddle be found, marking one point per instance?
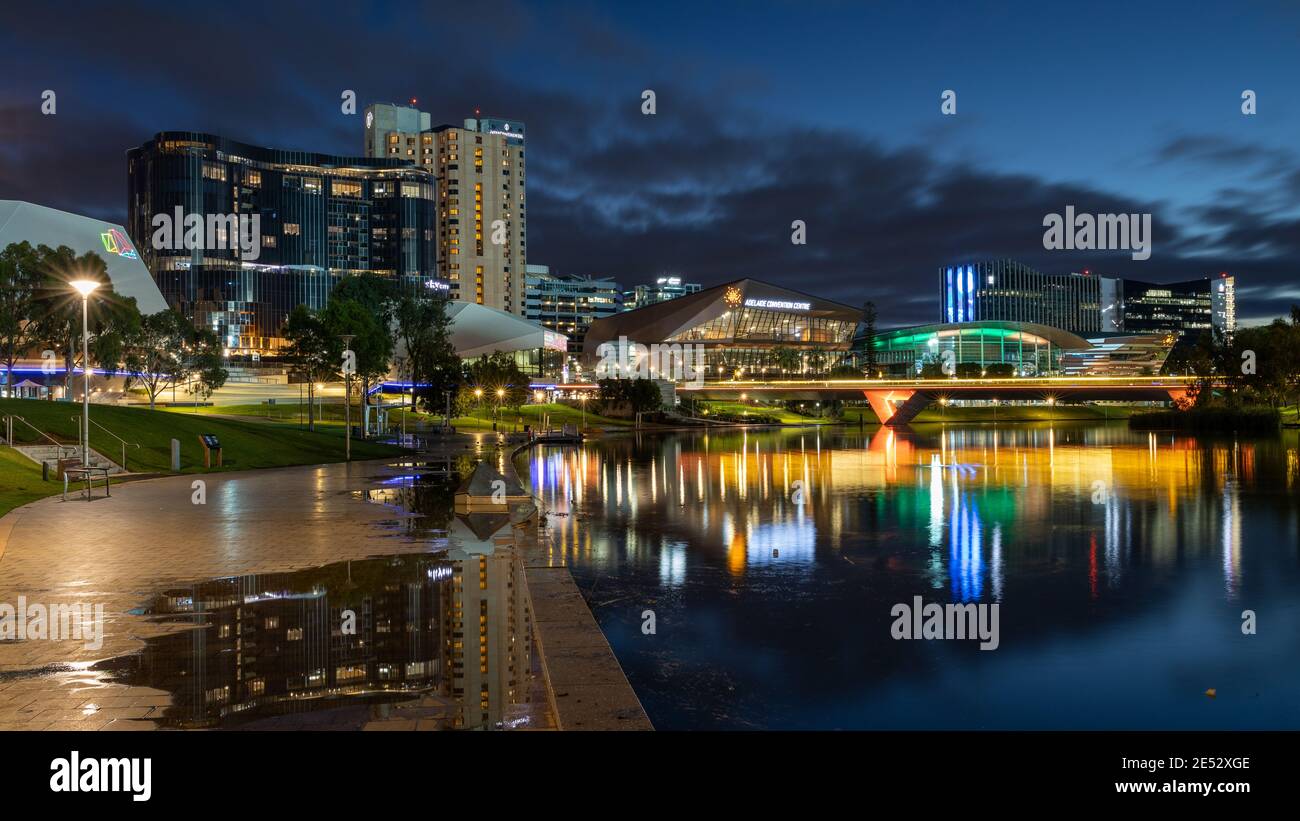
(439, 641)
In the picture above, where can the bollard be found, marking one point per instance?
(176, 456)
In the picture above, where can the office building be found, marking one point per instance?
(1007, 291)
(273, 229)
(482, 224)
(1185, 309)
(568, 303)
(1084, 303)
(662, 290)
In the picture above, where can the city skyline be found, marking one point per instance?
(793, 120)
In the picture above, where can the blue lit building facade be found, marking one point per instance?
(1008, 291)
(321, 218)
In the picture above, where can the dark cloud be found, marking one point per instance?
(707, 187)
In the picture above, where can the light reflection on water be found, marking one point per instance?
(772, 559)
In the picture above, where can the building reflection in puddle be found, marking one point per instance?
(439, 641)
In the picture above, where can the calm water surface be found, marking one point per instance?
(1121, 561)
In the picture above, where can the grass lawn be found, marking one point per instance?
(245, 444)
(775, 411)
(20, 481)
(481, 418)
(329, 413)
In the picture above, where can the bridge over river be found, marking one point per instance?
(898, 401)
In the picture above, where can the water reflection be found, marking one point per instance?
(439, 641)
(814, 534)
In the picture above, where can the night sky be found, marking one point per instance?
(767, 113)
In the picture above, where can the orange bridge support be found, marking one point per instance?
(897, 406)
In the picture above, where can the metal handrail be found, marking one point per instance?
(135, 445)
(9, 433)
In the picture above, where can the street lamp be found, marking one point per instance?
(85, 287)
(347, 395)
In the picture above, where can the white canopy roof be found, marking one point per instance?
(477, 330)
(39, 225)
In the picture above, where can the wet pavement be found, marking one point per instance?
(224, 604)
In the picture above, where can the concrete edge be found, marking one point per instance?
(585, 684)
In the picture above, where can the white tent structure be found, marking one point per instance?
(24, 221)
(477, 330)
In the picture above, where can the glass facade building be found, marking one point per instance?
(746, 324)
(320, 218)
(1032, 349)
(569, 303)
(1181, 308)
(1008, 291)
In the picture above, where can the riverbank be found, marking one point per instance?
(589, 689)
(1210, 420)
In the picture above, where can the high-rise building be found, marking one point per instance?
(1009, 291)
(319, 218)
(568, 303)
(1181, 308)
(482, 224)
(1084, 303)
(662, 290)
(393, 131)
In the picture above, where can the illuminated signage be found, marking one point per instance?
(778, 304)
(732, 296)
(115, 242)
(370, 119)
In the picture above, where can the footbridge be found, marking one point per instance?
(898, 401)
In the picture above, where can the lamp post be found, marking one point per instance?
(347, 396)
(85, 287)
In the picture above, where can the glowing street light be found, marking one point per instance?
(85, 287)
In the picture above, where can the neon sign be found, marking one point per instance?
(115, 242)
(778, 304)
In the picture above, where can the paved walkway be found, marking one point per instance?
(148, 536)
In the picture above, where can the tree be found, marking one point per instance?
(869, 337)
(21, 281)
(932, 368)
(372, 337)
(968, 370)
(57, 318)
(165, 350)
(500, 379)
(431, 364)
(1000, 370)
(786, 359)
(314, 352)
(642, 395)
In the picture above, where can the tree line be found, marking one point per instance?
(40, 311)
(389, 327)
